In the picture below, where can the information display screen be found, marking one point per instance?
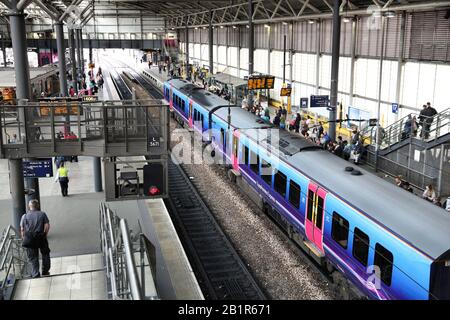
(261, 82)
(285, 92)
(61, 106)
(39, 168)
(63, 110)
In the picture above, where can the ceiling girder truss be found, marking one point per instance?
(267, 11)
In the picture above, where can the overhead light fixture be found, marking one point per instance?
(234, 27)
(267, 26)
(173, 28)
(347, 19)
(221, 27)
(389, 14)
(247, 26)
(196, 28)
(311, 21)
(204, 28)
(285, 23)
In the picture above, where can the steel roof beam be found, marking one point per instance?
(361, 12)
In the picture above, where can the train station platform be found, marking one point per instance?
(74, 238)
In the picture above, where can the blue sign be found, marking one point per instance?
(304, 102)
(395, 108)
(320, 101)
(39, 168)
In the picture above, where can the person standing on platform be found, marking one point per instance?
(63, 177)
(34, 227)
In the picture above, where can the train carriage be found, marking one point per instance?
(387, 242)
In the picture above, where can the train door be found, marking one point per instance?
(170, 99)
(315, 212)
(191, 116)
(235, 153)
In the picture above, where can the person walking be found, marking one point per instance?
(63, 177)
(34, 227)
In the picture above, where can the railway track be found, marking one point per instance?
(219, 269)
(213, 255)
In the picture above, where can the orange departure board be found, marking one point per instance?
(261, 82)
(285, 92)
(58, 111)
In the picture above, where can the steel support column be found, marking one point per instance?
(352, 62)
(79, 56)
(81, 50)
(73, 59)
(98, 174)
(380, 86)
(210, 44)
(318, 37)
(334, 68)
(400, 62)
(4, 49)
(17, 190)
(61, 58)
(251, 48)
(188, 75)
(23, 88)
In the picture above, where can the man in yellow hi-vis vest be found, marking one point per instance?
(62, 176)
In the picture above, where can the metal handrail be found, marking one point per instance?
(116, 245)
(130, 263)
(394, 132)
(12, 258)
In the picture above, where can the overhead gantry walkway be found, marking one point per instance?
(101, 129)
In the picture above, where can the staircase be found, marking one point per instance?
(395, 136)
(421, 159)
(108, 275)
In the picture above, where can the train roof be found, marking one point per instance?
(204, 98)
(241, 118)
(417, 221)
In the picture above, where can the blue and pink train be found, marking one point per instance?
(376, 240)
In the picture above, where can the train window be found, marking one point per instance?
(361, 246)
(294, 194)
(385, 261)
(254, 162)
(201, 117)
(235, 147)
(319, 216)
(245, 154)
(280, 183)
(339, 230)
(266, 172)
(310, 205)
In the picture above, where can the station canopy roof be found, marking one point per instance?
(229, 79)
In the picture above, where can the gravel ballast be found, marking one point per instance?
(273, 259)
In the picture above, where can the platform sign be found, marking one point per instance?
(286, 92)
(319, 101)
(39, 168)
(395, 108)
(260, 82)
(154, 142)
(90, 98)
(61, 106)
(304, 102)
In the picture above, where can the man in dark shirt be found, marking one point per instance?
(37, 222)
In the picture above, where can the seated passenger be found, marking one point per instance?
(429, 194)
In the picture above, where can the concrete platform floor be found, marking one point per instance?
(74, 220)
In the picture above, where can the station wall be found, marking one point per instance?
(424, 65)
